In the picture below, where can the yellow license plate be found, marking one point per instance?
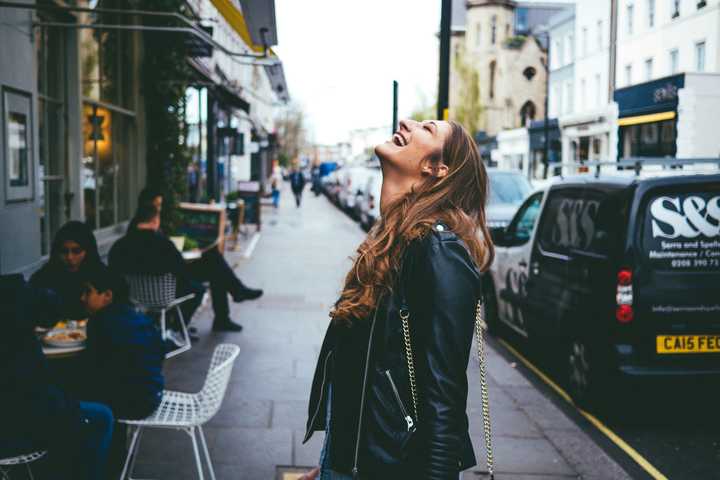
(688, 344)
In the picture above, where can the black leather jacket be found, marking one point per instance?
(366, 365)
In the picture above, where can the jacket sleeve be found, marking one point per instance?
(446, 296)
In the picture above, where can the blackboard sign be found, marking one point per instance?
(203, 223)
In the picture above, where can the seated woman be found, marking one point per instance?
(124, 351)
(34, 413)
(74, 251)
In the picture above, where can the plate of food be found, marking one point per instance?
(65, 338)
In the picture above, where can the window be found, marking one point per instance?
(584, 41)
(478, 37)
(648, 69)
(569, 99)
(529, 73)
(628, 74)
(556, 103)
(700, 56)
(51, 81)
(673, 61)
(556, 59)
(568, 222)
(508, 188)
(630, 12)
(651, 13)
(493, 30)
(492, 79)
(583, 93)
(521, 228)
(598, 93)
(599, 34)
(569, 49)
(674, 8)
(108, 127)
(527, 113)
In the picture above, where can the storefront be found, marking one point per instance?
(537, 132)
(514, 150)
(674, 116)
(589, 136)
(647, 124)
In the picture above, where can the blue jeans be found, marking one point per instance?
(325, 472)
(84, 460)
(96, 432)
(276, 198)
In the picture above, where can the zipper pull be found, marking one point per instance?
(410, 423)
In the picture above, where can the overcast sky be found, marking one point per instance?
(341, 56)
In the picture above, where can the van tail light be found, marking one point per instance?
(624, 296)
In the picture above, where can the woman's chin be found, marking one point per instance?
(384, 150)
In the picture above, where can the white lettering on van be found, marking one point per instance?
(693, 218)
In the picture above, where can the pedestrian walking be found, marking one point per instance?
(276, 180)
(297, 183)
(390, 386)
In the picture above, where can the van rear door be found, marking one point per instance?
(676, 279)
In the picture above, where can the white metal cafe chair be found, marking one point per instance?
(187, 411)
(25, 459)
(156, 293)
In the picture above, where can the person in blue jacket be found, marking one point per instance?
(35, 414)
(125, 352)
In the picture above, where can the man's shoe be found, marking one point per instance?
(247, 294)
(226, 325)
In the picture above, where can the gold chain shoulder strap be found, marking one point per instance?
(480, 326)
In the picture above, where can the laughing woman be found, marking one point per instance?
(390, 388)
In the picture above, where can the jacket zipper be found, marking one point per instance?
(322, 391)
(362, 398)
(408, 419)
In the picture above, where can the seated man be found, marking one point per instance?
(34, 414)
(146, 250)
(124, 351)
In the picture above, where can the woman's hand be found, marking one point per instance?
(312, 474)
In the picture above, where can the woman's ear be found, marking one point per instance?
(440, 170)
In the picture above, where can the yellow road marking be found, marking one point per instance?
(622, 444)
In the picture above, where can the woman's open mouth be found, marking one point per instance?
(399, 140)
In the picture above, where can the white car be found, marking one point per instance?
(370, 200)
(351, 186)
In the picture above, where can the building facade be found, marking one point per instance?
(588, 124)
(668, 67)
(73, 122)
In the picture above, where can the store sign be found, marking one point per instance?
(667, 93)
(683, 231)
(655, 96)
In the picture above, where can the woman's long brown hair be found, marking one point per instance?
(457, 200)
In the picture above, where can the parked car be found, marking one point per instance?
(507, 191)
(351, 186)
(620, 274)
(369, 203)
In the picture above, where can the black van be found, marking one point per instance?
(622, 272)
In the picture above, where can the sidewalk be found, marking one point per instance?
(300, 261)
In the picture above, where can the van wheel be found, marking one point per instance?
(491, 308)
(588, 387)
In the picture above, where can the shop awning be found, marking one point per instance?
(239, 23)
(649, 118)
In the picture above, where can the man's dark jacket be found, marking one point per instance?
(440, 287)
(147, 251)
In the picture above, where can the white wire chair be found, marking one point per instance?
(187, 412)
(25, 459)
(156, 293)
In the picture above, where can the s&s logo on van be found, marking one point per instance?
(685, 216)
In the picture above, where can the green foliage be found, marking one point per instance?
(292, 134)
(469, 108)
(165, 76)
(516, 41)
